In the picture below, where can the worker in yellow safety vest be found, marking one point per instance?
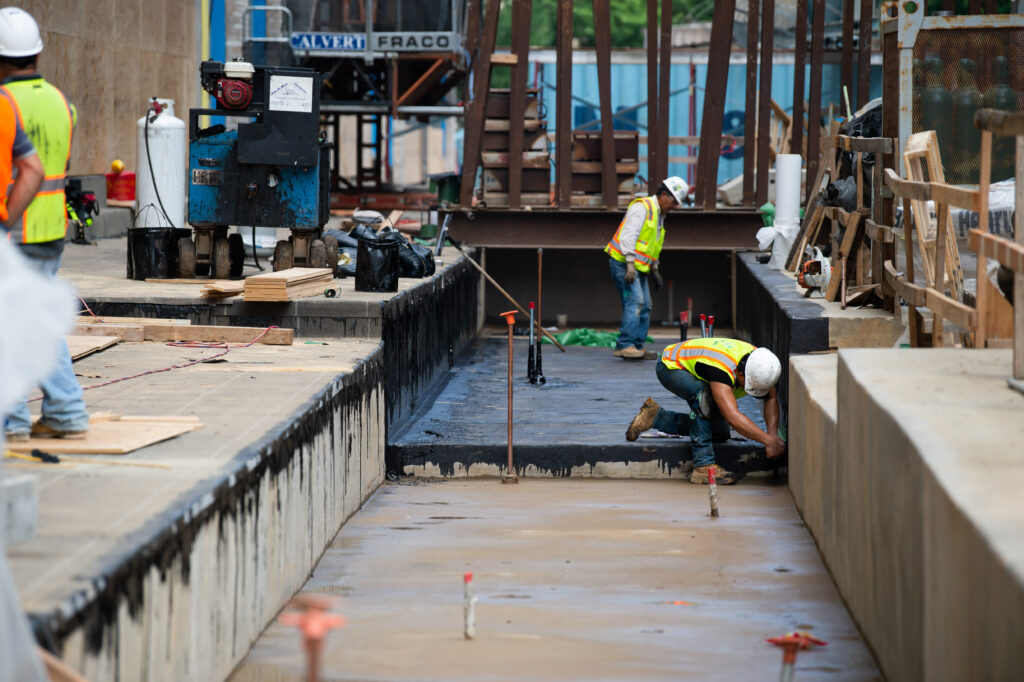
(711, 374)
(48, 120)
(633, 254)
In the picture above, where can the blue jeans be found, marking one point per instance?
(704, 429)
(636, 306)
(63, 408)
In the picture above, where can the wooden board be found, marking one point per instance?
(125, 332)
(81, 346)
(290, 276)
(114, 437)
(291, 294)
(131, 320)
(180, 332)
(155, 280)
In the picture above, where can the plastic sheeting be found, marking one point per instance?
(37, 313)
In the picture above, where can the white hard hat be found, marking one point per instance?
(678, 187)
(19, 33)
(761, 372)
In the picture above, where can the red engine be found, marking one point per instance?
(233, 94)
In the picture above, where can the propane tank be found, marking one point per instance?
(160, 175)
(966, 101)
(1001, 96)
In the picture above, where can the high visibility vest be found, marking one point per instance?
(721, 353)
(648, 244)
(48, 121)
(8, 127)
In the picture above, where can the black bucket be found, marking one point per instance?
(153, 252)
(377, 266)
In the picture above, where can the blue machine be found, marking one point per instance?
(270, 172)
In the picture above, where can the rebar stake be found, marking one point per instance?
(510, 472)
(314, 622)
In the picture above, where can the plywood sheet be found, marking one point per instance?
(113, 437)
(80, 346)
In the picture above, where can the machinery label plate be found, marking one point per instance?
(203, 176)
(291, 93)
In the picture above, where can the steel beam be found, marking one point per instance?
(603, 45)
(714, 104)
(475, 115)
(796, 140)
(563, 106)
(687, 229)
(664, 85)
(867, 9)
(750, 119)
(652, 94)
(764, 103)
(814, 96)
(521, 11)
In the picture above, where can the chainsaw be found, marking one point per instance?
(815, 273)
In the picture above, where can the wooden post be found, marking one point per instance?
(750, 120)
(603, 44)
(1018, 277)
(521, 11)
(867, 8)
(477, 107)
(652, 95)
(908, 271)
(563, 130)
(983, 289)
(796, 140)
(942, 212)
(714, 103)
(764, 104)
(814, 96)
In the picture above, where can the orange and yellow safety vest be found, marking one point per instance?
(721, 353)
(648, 244)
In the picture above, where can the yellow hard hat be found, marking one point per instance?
(117, 165)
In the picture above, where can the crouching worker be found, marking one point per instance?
(710, 374)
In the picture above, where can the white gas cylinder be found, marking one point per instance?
(168, 152)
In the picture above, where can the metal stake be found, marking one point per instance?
(510, 475)
(531, 368)
(538, 369)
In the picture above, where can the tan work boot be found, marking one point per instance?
(16, 436)
(630, 353)
(643, 420)
(41, 430)
(699, 475)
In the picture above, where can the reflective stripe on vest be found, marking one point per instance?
(46, 118)
(721, 353)
(648, 243)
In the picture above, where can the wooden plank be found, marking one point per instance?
(908, 267)
(814, 95)
(812, 225)
(764, 103)
(563, 106)
(944, 307)
(431, 77)
(504, 58)
(985, 293)
(869, 145)
(1018, 279)
(526, 159)
(474, 127)
(521, 11)
(81, 346)
(714, 103)
(1000, 122)
(87, 319)
(942, 211)
(876, 232)
(116, 437)
(222, 286)
(1001, 249)
(851, 224)
(750, 119)
(125, 332)
(907, 189)
(652, 94)
(600, 167)
(954, 195)
(214, 334)
(603, 54)
(909, 292)
(174, 280)
(796, 138)
(290, 276)
(498, 125)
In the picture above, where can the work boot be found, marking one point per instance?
(41, 430)
(629, 353)
(699, 475)
(651, 355)
(16, 436)
(643, 420)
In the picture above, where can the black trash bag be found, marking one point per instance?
(361, 231)
(427, 254)
(868, 124)
(377, 265)
(841, 193)
(412, 264)
(347, 270)
(344, 238)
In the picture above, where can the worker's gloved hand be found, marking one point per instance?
(630, 272)
(656, 276)
(774, 447)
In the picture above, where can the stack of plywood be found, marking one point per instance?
(222, 288)
(288, 285)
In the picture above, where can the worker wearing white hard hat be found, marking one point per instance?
(710, 374)
(633, 254)
(49, 120)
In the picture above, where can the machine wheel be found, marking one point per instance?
(221, 259)
(202, 269)
(186, 258)
(236, 254)
(283, 256)
(332, 253)
(317, 254)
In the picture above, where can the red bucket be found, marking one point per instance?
(121, 186)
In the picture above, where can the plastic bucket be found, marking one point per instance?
(153, 252)
(377, 266)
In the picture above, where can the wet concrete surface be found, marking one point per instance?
(609, 579)
(574, 424)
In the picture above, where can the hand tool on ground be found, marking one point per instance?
(81, 206)
(684, 324)
(791, 643)
(711, 325)
(531, 371)
(538, 368)
(510, 472)
(507, 295)
(712, 492)
(442, 235)
(703, 326)
(468, 606)
(314, 622)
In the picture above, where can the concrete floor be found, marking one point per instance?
(575, 581)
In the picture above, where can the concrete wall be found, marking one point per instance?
(190, 605)
(911, 491)
(109, 58)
